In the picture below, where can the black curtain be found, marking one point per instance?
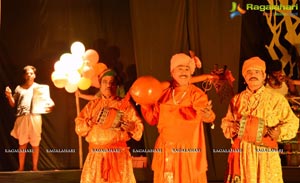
(134, 37)
(259, 33)
(38, 33)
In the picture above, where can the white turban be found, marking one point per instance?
(183, 59)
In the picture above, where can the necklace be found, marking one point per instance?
(253, 102)
(176, 102)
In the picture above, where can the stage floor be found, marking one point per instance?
(59, 176)
(290, 174)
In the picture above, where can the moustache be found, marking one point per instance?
(184, 75)
(253, 79)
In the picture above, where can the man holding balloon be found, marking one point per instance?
(179, 114)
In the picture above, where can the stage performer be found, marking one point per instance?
(107, 123)
(28, 126)
(179, 115)
(278, 81)
(256, 120)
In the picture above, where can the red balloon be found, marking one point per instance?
(146, 90)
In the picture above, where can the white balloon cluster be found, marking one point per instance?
(78, 69)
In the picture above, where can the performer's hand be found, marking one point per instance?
(128, 126)
(274, 132)
(235, 127)
(91, 122)
(206, 111)
(8, 92)
(212, 77)
(49, 108)
(77, 93)
(209, 104)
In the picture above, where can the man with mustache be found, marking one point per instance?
(256, 120)
(179, 115)
(107, 123)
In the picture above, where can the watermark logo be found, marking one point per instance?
(18, 150)
(60, 150)
(280, 10)
(236, 10)
(147, 150)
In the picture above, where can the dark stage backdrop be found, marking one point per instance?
(131, 36)
(271, 35)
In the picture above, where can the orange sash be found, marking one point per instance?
(110, 168)
(233, 170)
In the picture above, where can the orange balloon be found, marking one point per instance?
(146, 90)
(88, 72)
(95, 82)
(99, 68)
(92, 56)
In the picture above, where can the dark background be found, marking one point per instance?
(133, 36)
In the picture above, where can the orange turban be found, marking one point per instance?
(253, 63)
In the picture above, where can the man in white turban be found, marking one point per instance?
(179, 115)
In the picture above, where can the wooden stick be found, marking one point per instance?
(79, 137)
(194, 79)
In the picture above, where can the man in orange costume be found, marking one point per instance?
(107, 123)
(179, 114)
(256, 119)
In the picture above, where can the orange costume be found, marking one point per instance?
(182, 155)
(109, 158)
(256, 119)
